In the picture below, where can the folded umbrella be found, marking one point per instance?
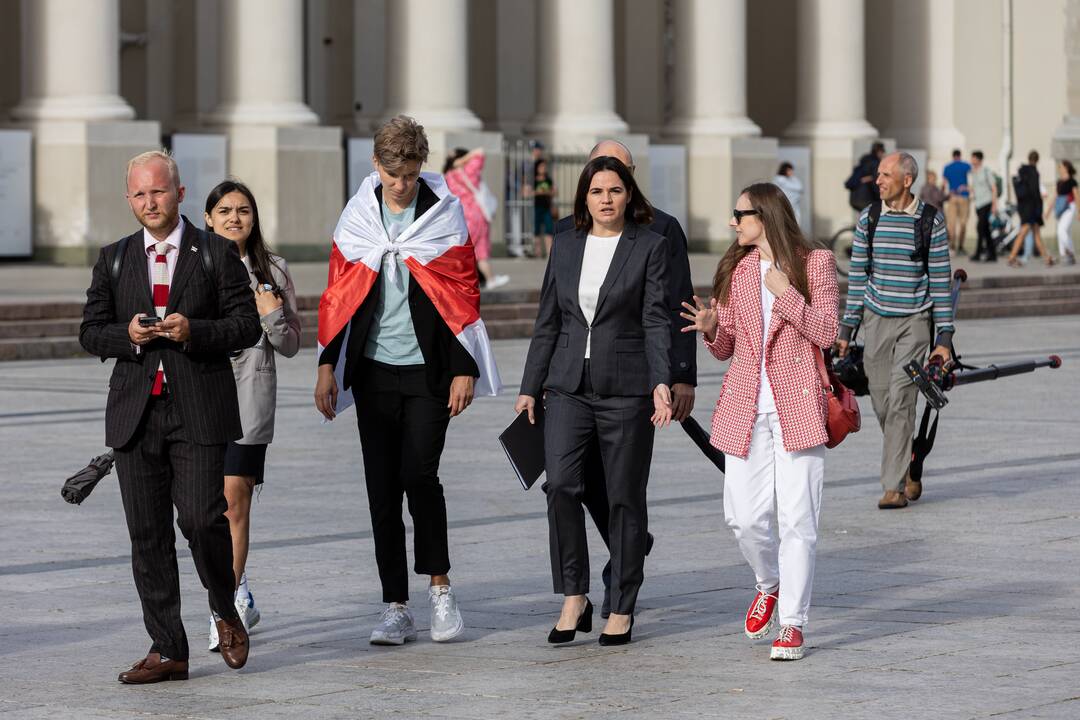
(78, 487)
(701, 439)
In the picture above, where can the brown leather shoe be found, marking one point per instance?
(233, 642)
(912, 488)
(892, 500)
(152, 670)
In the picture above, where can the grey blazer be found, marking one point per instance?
(631, 330)
(254, 368)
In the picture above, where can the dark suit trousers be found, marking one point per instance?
(621, 426)
(158, 469)
(402, 433)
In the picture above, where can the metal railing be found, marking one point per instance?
(564, 170)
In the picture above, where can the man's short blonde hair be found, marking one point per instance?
(143, 158)
(400, 140)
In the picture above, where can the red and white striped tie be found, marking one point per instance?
(161, 301)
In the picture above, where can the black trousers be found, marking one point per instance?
(621, 426)
(402, 433)
(157, 470)
(985, 246)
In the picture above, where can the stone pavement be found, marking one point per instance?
(965, 605)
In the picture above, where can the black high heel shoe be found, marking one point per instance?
(584, 624)
(620, 639)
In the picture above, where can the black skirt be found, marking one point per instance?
(245, 460)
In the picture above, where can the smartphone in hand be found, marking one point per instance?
(149, 320)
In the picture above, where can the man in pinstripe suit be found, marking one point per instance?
(172, 403)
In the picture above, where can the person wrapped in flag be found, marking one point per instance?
(399, 326)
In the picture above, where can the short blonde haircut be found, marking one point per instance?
(399, 141)
(143, 158)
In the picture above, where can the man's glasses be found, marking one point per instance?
(740, 214)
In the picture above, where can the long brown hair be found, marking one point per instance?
(255, 248)
(789, 246)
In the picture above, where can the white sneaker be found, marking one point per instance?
(213, 635)
(395, 626)
(497, 281)
(446, 622)
(249, 614)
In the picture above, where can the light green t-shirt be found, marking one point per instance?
(392, 338)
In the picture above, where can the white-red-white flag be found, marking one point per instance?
(439, 254)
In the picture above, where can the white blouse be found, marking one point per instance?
(766, 403)
(594, 268)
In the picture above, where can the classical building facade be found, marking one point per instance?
(737, 83)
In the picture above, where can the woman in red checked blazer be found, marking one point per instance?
(773, 310)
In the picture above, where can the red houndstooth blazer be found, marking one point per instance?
(797, 332)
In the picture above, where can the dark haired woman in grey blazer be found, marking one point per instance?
(232, 213)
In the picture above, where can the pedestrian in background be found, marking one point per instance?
(543, 195)
(231, 212)
(773, 312)
(792, 187)
(984, 192)
(464, 170)
(1064, 210)
(1029, 204)
(957, 207)
(932, 192)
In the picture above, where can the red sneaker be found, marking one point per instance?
(759, 616)
(788, 644)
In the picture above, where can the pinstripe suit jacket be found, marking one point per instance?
(222, 316)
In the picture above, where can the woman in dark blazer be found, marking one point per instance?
(599, 354)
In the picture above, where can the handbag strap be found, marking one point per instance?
(826, 381)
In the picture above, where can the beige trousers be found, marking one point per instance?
(890, 344)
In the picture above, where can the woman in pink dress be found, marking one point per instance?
(464, 174)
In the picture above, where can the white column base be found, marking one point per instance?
(830, 130)
(297, 176)
(450, 120)
(555, 125)
(87, 161)
(276, 113)
(88, 108)
(716, 126)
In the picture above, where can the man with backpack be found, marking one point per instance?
(900, 273)
(861, 184)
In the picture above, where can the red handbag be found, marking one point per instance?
(843, 417)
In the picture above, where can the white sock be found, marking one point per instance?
(242, 591)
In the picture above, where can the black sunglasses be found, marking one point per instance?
(740, 214)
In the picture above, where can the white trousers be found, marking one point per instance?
(770, 490)
(1064, 228)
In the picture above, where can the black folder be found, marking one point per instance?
(524, 446)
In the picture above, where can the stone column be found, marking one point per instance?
(724, 147)
(427, 63)
(922, 115)
(575, 60)
(293, 166)
(83, 130)
(831, 107)
(1066, 141)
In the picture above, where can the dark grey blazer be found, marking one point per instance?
(631, 330)
(222, 315)
(679, 289)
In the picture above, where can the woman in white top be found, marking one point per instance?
(231, 212)
(599, 359)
